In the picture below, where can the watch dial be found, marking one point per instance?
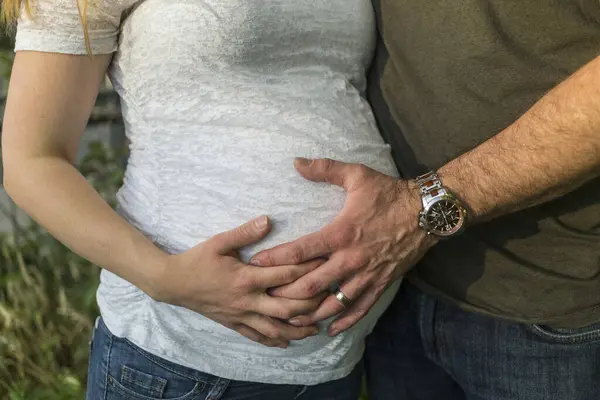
(444, 217)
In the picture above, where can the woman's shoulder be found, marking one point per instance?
(69, 8)
(56, 25)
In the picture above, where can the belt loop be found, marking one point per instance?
(218, 389)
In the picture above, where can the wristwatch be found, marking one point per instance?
(443, 215)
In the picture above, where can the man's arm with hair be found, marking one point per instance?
(551, 150)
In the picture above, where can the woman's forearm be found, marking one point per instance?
(49, 102)
(57, 196)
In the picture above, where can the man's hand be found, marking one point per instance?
(371, 243)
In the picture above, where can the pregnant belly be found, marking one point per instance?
(295, 208)
(182, 193)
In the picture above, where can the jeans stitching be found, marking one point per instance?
(130, 394)
(153, 359)
(201, 383)
(424, 336)
(109, 350)
(157, 385)
(304, 389)
(566, 337)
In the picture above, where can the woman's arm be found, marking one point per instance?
(49, 102)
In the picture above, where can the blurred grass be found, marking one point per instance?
(47, 301)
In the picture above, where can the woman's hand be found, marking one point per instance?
(211, 279)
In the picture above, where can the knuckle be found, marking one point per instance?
(305, 332)
(292, 333)
(297, 255)
(312, 304)
(267, 259)
(271, 332)
(244, 231)
(312, 288)
(246, 282)
(289, 275)
(249, 334)
(285, 313)
(365, 281)
(239, 284)
(265, 341)
(340, 270)
(378, 289)
(360, 312)
(334, 308)
(279, 312)
(241, 304)
(353, 260)
(295, 335)
(342, 236)
(323, 165)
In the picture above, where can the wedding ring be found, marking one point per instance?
(342, 298)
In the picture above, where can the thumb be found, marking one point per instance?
(326, 170)
(244, 235)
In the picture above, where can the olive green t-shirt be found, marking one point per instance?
(447, 76)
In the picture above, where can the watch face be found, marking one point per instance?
(444, 218)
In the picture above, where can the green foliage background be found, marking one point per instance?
(47, 301)
(47, 293)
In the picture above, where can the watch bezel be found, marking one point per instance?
(443, 234)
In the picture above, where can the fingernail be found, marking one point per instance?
(314, 332)
(262, 222)
(333, 332)
(295, 322)
(256, 262)
(282, 346)
(302, 161)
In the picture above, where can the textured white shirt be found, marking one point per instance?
(218, 97)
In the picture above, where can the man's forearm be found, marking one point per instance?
(551, 150)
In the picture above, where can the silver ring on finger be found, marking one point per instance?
(342, 298)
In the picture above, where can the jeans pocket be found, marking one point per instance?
(585, 335)
(134, 374)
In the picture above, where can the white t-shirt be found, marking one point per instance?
(218, 97)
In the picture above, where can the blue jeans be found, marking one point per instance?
(423, 349)
(120, 370)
